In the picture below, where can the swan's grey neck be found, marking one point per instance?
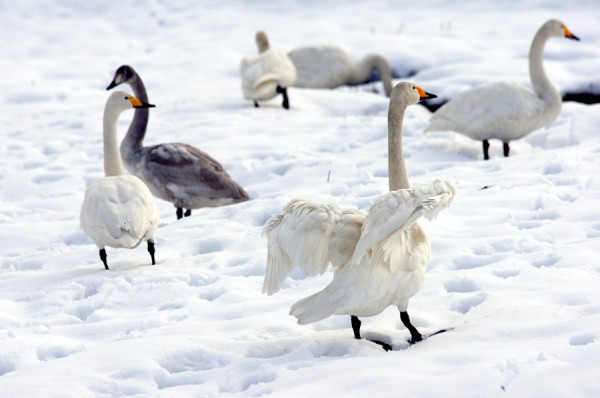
(113, 166)
(365, 69)
(396, 167)
(137, 129)
(539, 80)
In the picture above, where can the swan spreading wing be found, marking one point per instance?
(395, 212)
(308, 235)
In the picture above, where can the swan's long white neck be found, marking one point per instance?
(396, 166)
(113, 166)
(365, 69)
(539, 80)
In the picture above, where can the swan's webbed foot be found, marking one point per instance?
(187, 213)
(383, 345)
(103, 258)
(356, 329)
(486, 148)
(179, 213)
(506, 149)
(286, 100)
(256, 104)
(151, 251)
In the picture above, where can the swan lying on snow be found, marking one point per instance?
(380, 258)
(178, 173)
(118, 211)
(266, 74)
(325, 66)
(505, 110)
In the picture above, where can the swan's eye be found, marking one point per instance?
(126, 98)
(414, 88)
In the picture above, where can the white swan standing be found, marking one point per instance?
(326, 66)
(266, 74)
(380, 258)
(506, 110)
(178, 173)
(118, 211)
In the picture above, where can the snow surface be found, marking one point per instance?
(515, 267)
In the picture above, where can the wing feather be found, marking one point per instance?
(394, 212)
(298, 237)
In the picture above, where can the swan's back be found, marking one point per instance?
(187, 177)
(263, 72)
(322, 66)
(119, 212)
(502, 110)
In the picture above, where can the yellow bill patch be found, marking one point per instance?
(134, 101)
(422, 92)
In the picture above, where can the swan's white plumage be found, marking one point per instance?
(506, 110)
(394, 212)
(302, 224)
(380, 258)
(327, 66)
(263, 72)
(118, 210)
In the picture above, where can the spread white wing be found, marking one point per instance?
(308, 235)
(395, 212)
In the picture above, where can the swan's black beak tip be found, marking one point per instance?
(111, 85)
(428, 96)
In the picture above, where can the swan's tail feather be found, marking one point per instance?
(313, 308)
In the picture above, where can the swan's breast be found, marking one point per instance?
(502, 110)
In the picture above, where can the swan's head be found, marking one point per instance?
(124, 74)
(408, 93)
(120, 101)
(558, 29)
(262, 41)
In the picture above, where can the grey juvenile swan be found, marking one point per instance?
(178, 173)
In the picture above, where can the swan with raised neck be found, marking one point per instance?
(506, 110)
(175, 172)
(118, 210)
(379, 258)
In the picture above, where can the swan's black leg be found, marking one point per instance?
(506, 149)
(355, 326)
(286, 101)
(356, 329)
(179, 213)
(486, 147)
(103, 258)
(188, 213)
(151, 251)
(256, 104)
(415, 336)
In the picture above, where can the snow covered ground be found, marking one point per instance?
(515, 267)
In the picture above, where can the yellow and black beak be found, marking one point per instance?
(569, 35)
(425, 95)
(137, 103)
